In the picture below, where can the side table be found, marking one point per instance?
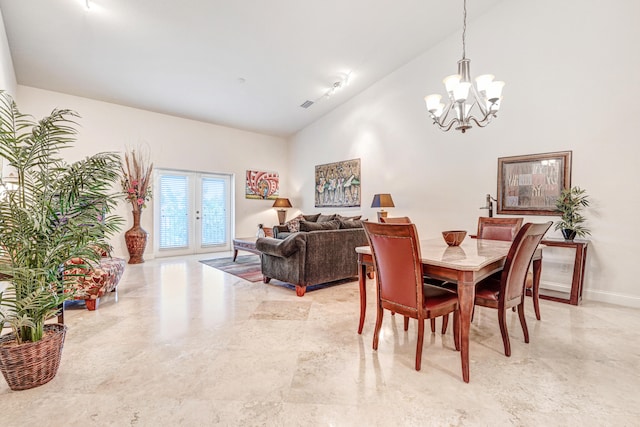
(577, 282)
(247, 244)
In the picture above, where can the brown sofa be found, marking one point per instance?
(311, 257)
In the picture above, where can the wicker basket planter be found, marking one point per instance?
(30, 365)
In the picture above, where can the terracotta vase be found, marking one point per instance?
(136, 239)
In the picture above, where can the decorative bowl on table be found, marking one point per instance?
(454, 237)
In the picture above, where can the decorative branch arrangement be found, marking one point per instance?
(136, 179)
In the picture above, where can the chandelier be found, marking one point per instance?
(466, 103)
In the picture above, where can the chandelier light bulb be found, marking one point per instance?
(461, 92)
(483, 82)
(494, 91)
(432, 102)
(451, 82)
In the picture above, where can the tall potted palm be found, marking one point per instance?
(51, 212)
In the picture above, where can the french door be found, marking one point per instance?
(192, 212)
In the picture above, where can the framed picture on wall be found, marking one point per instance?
(531, 184)
(338, 184)
(261, 185)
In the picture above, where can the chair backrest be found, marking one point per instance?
(519, 258)
(396, 254)
(395, 220)
(498, 228)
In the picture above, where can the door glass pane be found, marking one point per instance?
(214, 211)
(174, 217)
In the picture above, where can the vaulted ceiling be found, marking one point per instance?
(248, 64)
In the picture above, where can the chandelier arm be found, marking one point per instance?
(482, 123)
(446, 127)
(478, 100)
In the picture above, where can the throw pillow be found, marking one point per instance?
(352, 223)
(294, 224)
(347, 218)
(323, 218)
(315, 226)
(311, 218)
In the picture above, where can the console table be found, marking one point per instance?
(580, 247)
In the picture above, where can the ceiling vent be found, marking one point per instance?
(306, 104)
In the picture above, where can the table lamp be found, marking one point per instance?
(382, 201)
(282, 213)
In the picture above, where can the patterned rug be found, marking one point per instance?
(248, 268)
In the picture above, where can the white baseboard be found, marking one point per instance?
(595, 295)
(612, 298)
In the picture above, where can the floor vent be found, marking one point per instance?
(306, 104)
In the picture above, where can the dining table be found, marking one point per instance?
(465, 265)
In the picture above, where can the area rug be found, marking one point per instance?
(248, 268)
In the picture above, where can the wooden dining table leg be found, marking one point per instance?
(362, 281)
(466, 298)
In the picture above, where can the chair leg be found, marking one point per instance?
(445, 322)
(419, 344)
(535, 294)
(406, 323)
(523, 322)
(376, 331)
(433, 325)
(91, 304)
(456, 329)
(502, 321)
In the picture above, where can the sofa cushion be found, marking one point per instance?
(315, 226)
(294, 224)
(347, 218)
(323, 218)
(352, 223)
(311, 218)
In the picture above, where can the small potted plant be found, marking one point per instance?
(50, 212)
(570, 204)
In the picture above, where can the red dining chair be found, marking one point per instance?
(395, 220)
(406, 220)
(508, 290)
(506, 229)
(400, 287)
(498, 228)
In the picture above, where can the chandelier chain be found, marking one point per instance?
(464, 30)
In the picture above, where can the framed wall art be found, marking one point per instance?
(262, 185)
(338, 184)
(530, 185)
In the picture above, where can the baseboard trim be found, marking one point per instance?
(612, 298)
(596, 295)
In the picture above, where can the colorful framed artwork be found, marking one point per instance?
(338, 184)
(531, 184)
(262, 185)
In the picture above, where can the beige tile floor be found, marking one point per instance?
(185, 344)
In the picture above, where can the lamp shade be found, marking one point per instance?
(382, 201)
(282, 203)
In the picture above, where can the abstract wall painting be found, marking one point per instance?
(531, 184)
(262, 185)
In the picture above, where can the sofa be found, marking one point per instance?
(90, 282)
(319, 254)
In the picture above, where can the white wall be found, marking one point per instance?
(174, 143)
(7, 74)
(570, 72)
